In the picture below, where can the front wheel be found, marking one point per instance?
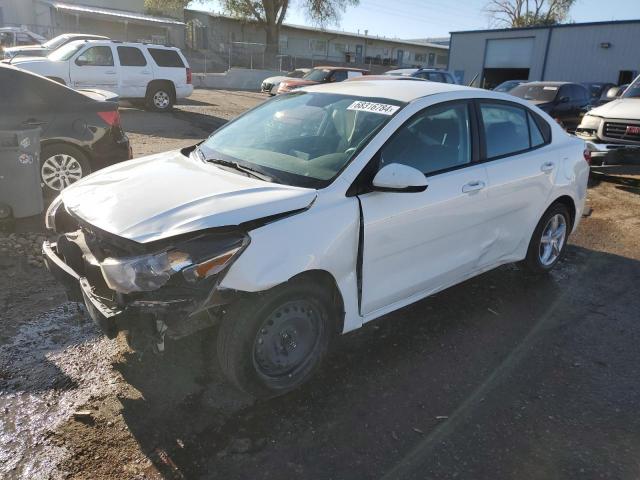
(273, 343)
(549, 239)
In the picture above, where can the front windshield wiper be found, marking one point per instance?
(241, 168)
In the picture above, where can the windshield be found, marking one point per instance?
(317, 75)
(55, 42)
(295, 74)
(506, 86)
(541, 93)
(302, 139)
(633, 91)
(65, 52)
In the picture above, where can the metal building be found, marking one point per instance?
(577, 52)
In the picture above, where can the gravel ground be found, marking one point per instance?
(503, 376)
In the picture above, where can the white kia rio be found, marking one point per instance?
(313, 214)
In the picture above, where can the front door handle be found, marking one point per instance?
(33, 122)
(473, 186)
(547, 167)
(110, 72)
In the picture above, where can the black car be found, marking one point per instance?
(566, 102)
(80, 131)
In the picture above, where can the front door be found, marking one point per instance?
(416, 243)
(94, 67)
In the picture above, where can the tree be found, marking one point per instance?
(528, 13)
(166, 7)
(269, 14)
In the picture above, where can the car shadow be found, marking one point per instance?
(382, 387)
(178, 124)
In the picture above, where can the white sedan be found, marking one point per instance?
(315, 213)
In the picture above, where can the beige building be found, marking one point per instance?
(238, 43)
(118, 19)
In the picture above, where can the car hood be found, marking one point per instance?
(169, 194)
(278, 79)
(294, 82)
(26, 49)
(624, 109)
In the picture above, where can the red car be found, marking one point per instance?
(321, 75)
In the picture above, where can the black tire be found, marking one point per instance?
(533, 261)
(158, 92)
(249, 323)
(76, 168)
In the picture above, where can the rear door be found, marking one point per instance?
(521, 168)
(135, 71)
(416, 243)
(94, 67)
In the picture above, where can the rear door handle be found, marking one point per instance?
(110, 72)
(473, 186)
(547, 167)
(32, 122)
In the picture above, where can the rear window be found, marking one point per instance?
(166, 58)
(131, 57)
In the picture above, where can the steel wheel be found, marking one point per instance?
(60, 170)
(161, 100)
(553, 237)
(287, 339)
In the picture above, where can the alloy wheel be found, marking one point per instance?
(60, 171)
(554, 235)
(161, 99)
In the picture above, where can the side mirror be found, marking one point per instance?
(396, 177)
(613, 92)
(563, 100)
(81, 62)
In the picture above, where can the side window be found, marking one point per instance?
(131, 57)
(166, 58)
(436, 139)
(506, 129)
(339, 76)
(564, 92)
(96, 57)
(351, 74)
(581, 93)
(435, 77)
(537, 138)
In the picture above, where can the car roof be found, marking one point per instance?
(550, 84)
(107, 40)
(333, 67)
(399, 90)
(403, 71)
(88, 35)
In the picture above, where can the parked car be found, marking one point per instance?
(509, 85)
(156, 74)
(42, 50)
(612, 131)
(611, 94)
(315, 213)
(15, 36)
(321, 75)
(565, 102)
(431, 74)
(270, 85)
(80, 131)
(597, 90)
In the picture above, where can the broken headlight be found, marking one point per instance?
(197, 259)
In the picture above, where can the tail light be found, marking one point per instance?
(189, 76)
(112, 117)
(587, 155)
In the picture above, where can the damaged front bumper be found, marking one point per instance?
(611, 155)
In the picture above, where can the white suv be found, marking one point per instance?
(157, 74)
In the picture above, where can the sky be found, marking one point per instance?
(436, 18)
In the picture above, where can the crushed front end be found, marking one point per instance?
(168, 287)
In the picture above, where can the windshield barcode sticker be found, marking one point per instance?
(372, 107)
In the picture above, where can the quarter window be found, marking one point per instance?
(96, 57)
(537, 138)
(131, 57)
(437, 139)
(506, 129)
(166, 58)
(339, 76)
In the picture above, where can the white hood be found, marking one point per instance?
(623, 109)
(168, 194)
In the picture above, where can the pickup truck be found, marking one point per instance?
(612, 131)
(155, 74)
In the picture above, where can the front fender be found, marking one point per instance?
(325, 237)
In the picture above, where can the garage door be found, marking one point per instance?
(509, 53)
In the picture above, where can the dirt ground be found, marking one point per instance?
(504, 376)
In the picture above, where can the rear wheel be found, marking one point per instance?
(549, 239)
(274, 342)
(160, 98)
(60, 166)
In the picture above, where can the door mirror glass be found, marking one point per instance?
(613, 92)
(399, 178)
(564, 99)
